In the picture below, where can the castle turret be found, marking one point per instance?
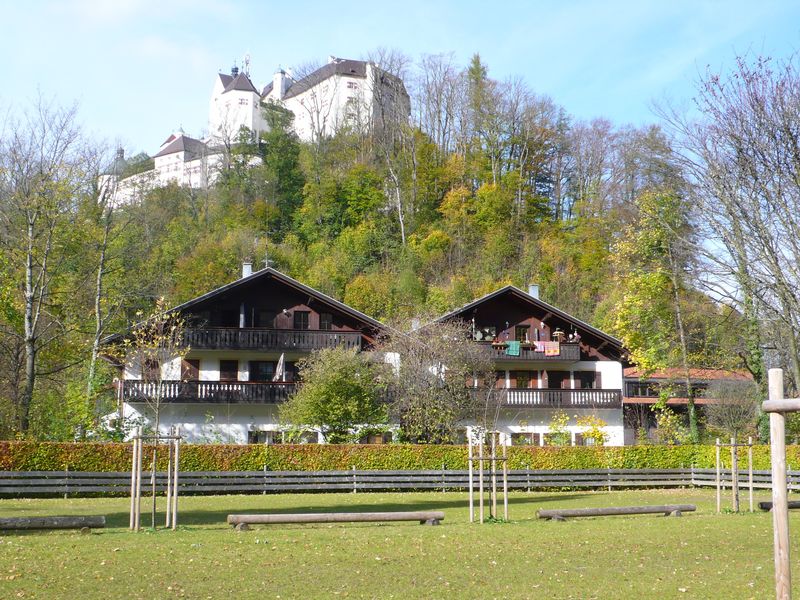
(280, 83)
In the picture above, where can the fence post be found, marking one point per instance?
(66, 481)
(719, 497)
(735, 474)
(264, 492)
(750, 469)
(608, 477)
(443, 482)
(780, 509)
(355, 483)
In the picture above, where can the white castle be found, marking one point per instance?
(341, 94)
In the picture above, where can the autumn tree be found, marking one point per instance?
(341, 392)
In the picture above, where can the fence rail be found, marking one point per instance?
(38, 483)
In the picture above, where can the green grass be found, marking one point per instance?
(702, 555)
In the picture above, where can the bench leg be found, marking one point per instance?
(676, 513)
(242, 527)
(429, 522)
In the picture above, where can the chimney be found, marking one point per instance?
(533, 290)
(279, 81)
(247, 269)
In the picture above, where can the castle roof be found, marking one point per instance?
(338, 66)
(183, 143)
(240, 83)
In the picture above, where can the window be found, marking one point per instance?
(265, 318)
(524, 379)
(261, 370)
(301, 319)
(242, 101)
(587, 380)
(229, 318)
(352, 85)
(521, 333)
(228, 370)
(325, 321)
(151, 370)
(526, 439)
(257, 437)
(190, 369)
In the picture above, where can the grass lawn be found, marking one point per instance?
(701, 555)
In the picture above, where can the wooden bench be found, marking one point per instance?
(666, 509)
(792, 504)
(83, 523)
(425, 517)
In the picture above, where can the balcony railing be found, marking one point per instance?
(243, 392)
(567, 352)
(556, 398)
(232, 338)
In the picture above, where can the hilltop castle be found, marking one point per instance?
(341, 94)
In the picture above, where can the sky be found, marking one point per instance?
(139, 70)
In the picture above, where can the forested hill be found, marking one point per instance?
(490, 184)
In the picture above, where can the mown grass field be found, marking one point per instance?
(701, 555)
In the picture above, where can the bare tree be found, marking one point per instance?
(41, 176)
(734, 406)
(155, 348)
(441, 379)
(743, 159)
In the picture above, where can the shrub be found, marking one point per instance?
(85, 456)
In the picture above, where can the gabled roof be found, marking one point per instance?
(240, 83)
(283, 278)
(339, 66)
(269, 272)
(525, 297)
(183, 143)
(225, 79)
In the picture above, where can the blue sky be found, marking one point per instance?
(139, 69)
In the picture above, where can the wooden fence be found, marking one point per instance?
(70, 483)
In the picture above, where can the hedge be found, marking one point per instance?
(79, 456)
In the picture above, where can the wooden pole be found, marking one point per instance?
(719, 496)
(138, 517)
(750, 469)
(734, 475)
(480, 480)
(494, 474)
(176, 468)
(134, 448)
(780, 507)
(471, 483)
(170, 446)
(505, 482)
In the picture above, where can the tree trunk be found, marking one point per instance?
(99, 324)
(694, 432)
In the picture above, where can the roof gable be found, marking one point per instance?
(513, 293)
(240, 83)
(270, 273)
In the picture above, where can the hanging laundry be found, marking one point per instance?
(513, 348)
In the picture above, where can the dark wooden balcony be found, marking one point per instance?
(567, 352)
(224, 392)
(557, 398)
(250, 338)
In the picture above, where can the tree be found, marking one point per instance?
(733, 406)
(156, 348)
(650, 316)
(41, 176)
(441, 379)
(340, 392)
